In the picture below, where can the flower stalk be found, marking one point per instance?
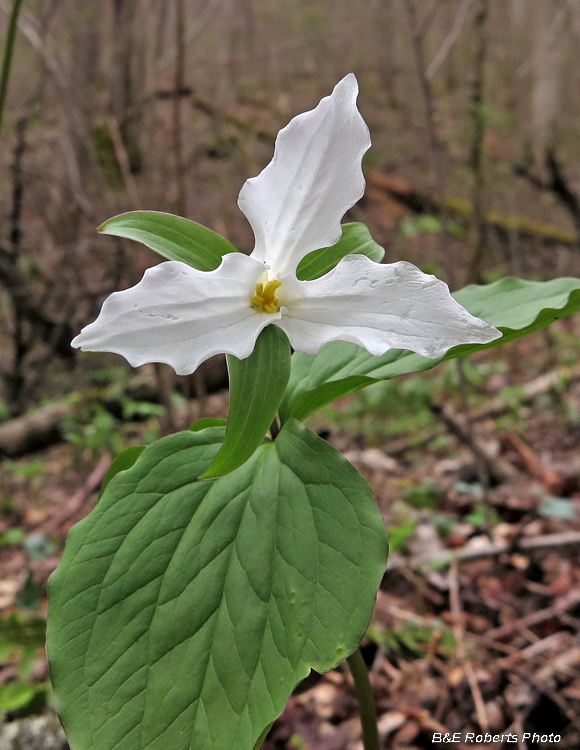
(366, 701)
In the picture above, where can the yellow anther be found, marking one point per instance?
(265, 299)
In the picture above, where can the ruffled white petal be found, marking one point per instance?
(379, 307)
(181, 316)
(296, 203)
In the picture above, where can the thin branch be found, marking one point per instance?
(124, 164)
(450, 39)
(537, 544)
(8, 54)
(481, 460)
(191, 34)
(476, 152)
(179, 84)
(77, 501)
(457, 616)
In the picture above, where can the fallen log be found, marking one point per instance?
(420, 202)
(43, 427)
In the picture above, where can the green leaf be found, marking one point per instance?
(12, 536)
(122, 462)
(171, 236)
(203, 424)
(341, 368)
(184, 613)
(517, 307)
(399, 534)
(16, 695)
(356, 240)
(257, 385)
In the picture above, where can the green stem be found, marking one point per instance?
(366, 702)
(8, 51)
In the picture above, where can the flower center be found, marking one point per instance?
(265, 299)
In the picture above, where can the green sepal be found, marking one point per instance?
(356, 240)
(517, 307)
(257, 385)
(171, 236)
(183, 613)
(122, 462)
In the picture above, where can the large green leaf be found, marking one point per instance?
(356, 240)
(183, 613)
(517, 307)
(341, 368)
(172, 237)
(122, 462)
(257, 385)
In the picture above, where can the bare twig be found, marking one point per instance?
(8, 53)
(457, 617)
(450, 39)
(178, 155)
(491, 466)
(191, 34)
(179, 84)
(15, 378)
(559, 607)
(75, 504)
(62, 81)
(492, 409)
(537, 544)
(476, 152)
(479, 455)
(124, 164)
(437, 148)
(558, 184)
(553, 695)
(417, 33)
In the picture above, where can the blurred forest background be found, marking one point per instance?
(474, 174)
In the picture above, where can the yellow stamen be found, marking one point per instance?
(265, 299)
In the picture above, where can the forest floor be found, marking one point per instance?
(485, 640)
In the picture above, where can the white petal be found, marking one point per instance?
(181, 316)
(296, 203)
(379, 307)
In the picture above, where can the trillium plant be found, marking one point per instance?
(222, 564)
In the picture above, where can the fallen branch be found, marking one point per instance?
(498, 407)
(42, 427)
(379, 184)
(440, 560)
(494, 467)
(561, 605)
(75, 504)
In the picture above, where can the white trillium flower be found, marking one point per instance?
(182, 316)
